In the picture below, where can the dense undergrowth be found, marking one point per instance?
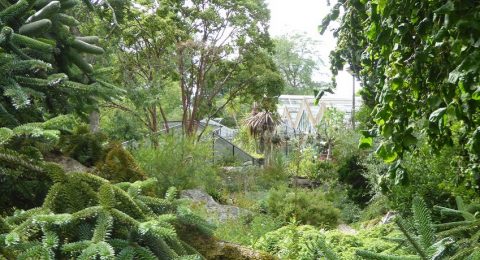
(89, 170)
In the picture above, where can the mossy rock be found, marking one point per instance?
(213, 249)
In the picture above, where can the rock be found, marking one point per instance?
(213, 249)
(223, 212)
(346, 229)
(68, 164)
(303, 182)
(227, 251)
(389, 217)
(248, 163)
(229, 169)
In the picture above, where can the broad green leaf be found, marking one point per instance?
(437, 114)
(365, 142)
(387, 130)
(396, 82)
(409, 140)
(386, 152)
(476, 94)
(372, 32)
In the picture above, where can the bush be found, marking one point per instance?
(247, 229)
(437, 177)
(307, 207)
(302, 242)
(83, 145)
(377, 207)
(373, 239)
(351, 173)
(119, 165)
(291, 242)
(179, 162)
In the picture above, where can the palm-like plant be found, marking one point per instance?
(262, 125)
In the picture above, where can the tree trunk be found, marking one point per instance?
(94, 121)
(164, 117)
(154, 126)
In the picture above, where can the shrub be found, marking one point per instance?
(307, 207)
(376, 239)
(247, 229)
(118, 165)
(179, 162)
(296, 242)
(351, 173)
(377, 207)
(83, 145)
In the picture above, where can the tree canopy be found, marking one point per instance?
(298, 61)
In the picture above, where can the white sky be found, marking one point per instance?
(301, 16)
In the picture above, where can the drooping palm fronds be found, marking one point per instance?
(262, 122)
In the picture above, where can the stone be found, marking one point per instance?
(222, 212)
(68, 164)
(346, 229)
(389, 217)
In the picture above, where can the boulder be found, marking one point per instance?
(222, 212)
(68, 164)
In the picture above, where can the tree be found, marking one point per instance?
(418, 64)
(298, 61)
(329, 128)
(222, 51)
(146, 67)
(261, 126)
(43, 70)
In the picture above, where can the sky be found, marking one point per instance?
(304, 16)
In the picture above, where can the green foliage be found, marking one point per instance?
(86, 216)
(247, 230)
(378, 206)
(421, 236)
(37, 74)
(20, 188)
(83, 145)
(376, 239)
(297, 61)
(351, 173)
(466, 233)
(296, 242)
(307, 242)
(437, 177)
(118, 165)
(418, 76)
(179, 162)
(306, 164)
(307, 207)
